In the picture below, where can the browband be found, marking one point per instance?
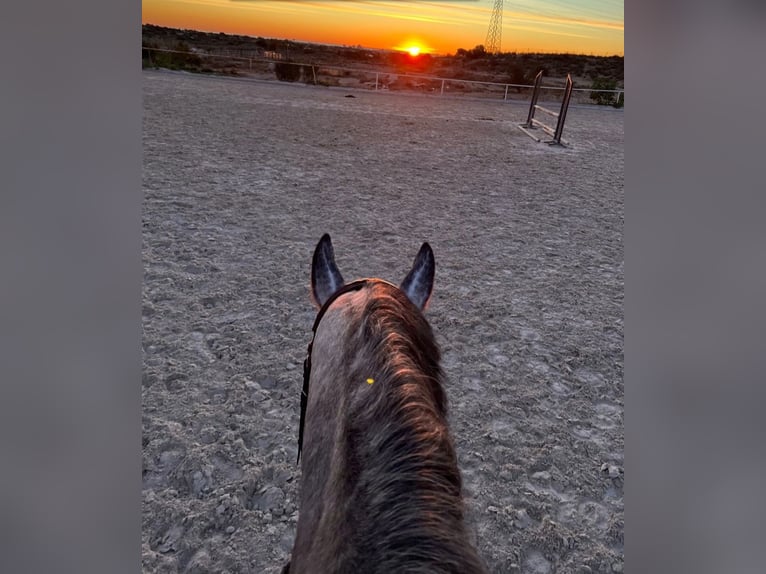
(353, 286)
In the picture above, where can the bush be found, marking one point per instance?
(604, 98)
(287, 71)
(478, 52)
(309, 77)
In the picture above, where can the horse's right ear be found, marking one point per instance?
(325, 276)
(420, 280)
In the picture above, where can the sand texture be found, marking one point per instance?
(240, 181)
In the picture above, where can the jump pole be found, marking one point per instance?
(533, 123)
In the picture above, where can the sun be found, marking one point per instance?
(414, 51)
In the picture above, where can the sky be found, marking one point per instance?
(593, 27)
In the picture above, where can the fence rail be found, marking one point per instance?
(264, 64)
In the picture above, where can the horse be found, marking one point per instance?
(380, 485)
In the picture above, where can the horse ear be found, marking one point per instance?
(325, 276)
(420, 280)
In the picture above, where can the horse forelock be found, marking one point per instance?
(390, 337)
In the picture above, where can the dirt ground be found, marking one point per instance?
(242, 178)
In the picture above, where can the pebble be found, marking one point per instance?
(230, 529)
(269, 382)
(269, 498)
(617, 567)
(493, 509)
(612, 470)
(522, 519)
(542, 476)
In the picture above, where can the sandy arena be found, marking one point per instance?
(241, 179)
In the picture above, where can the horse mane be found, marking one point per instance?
(402, 480)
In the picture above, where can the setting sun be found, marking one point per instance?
(414, 28)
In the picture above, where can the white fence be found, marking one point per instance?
(263, 63)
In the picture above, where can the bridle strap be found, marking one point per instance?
(353, 286)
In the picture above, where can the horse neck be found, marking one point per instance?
(405, 501)
(387, 467)
(402, 466)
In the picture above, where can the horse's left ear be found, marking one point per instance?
(420, 280)
(325, 276)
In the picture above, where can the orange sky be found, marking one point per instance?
(591, 27)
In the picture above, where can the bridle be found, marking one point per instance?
(353, 286)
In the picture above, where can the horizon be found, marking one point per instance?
(369, 48)
(593, 28)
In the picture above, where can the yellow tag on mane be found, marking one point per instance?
(370, 381)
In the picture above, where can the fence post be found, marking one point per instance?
(376, 81)
(505, 96)
(442, 92)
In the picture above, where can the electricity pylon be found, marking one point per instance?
(495, 28)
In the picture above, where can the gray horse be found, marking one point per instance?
(381, 489)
